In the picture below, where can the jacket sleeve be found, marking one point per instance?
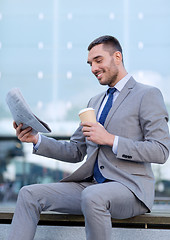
(155, 146)
(67, 151)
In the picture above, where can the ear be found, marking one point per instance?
(117, 57)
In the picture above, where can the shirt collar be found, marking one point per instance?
(119, 86)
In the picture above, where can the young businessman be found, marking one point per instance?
(116, 180)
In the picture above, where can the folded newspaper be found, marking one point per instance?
(22, 113)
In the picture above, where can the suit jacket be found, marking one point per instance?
(139, 117)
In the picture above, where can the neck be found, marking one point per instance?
(120, 76)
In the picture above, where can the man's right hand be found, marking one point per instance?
(25, 134)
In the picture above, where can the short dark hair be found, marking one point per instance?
(109, 41)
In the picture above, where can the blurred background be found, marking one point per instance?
(43, 52)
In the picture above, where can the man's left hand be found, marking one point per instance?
(96, 133)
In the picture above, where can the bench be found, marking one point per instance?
(154, 220)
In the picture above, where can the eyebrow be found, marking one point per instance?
(89, 62)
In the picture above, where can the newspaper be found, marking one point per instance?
(22, 113)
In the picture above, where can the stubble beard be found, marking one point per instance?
(111, 81)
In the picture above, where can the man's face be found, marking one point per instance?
(103, 65)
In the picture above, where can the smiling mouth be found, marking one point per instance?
(98, 75)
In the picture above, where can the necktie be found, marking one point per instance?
(96, 172)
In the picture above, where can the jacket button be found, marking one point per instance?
(101, 167)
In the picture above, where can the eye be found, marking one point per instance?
(99, 60)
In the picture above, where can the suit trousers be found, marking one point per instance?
(97, 202)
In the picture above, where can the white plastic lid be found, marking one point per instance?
(85, 109)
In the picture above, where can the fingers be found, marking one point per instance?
(18, 128)
(25, 135)
(89, 124)
(22, 134)
(86, 129)
(14, 124)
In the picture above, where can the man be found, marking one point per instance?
(116, 180)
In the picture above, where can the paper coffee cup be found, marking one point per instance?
(87, 115)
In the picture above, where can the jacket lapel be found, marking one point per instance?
(122, 95)
(98, 102)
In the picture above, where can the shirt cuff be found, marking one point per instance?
(115, 145)
(36, 146)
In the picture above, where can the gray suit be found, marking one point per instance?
(139, 118)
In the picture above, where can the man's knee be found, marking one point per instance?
(26, 195)
(90, 200)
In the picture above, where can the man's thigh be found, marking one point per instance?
(61, 197)
(117, 199)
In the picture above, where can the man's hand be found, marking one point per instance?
(96, 133)
(25, 135)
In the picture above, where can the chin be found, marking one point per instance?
(103, 82)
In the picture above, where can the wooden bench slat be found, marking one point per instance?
(157, 219)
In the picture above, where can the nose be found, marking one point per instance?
(94, 68)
